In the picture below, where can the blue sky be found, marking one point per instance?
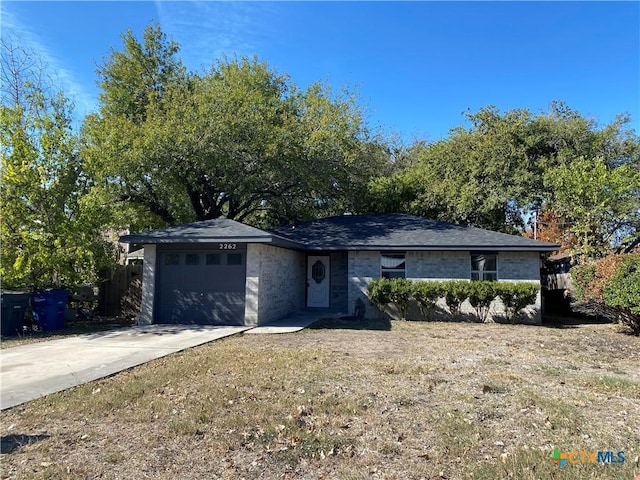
(417, 65)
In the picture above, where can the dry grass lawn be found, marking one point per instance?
(421, 400)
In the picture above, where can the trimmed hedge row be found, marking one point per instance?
(399, 291)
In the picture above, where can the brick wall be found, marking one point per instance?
(148, 285)
(518, 266)
(438, 265)
(445, 265)
(339, 300)
(275, 285)
(363, 266)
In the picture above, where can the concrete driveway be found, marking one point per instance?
(30, 371)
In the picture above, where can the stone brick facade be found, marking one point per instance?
(275, 284)
(519, 266)
(339, 300)
(443, 265)
(427, 265)
(363, 266)
(148, 285)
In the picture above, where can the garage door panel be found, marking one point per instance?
(201, 293)
(195, 315)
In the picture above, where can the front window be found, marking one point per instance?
(484, 266)
(393, 265)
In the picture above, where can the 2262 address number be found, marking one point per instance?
(227, 246)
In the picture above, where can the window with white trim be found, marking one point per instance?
(484, 266)
(393, 265)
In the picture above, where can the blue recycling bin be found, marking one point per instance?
(49, 308)
(14, 306)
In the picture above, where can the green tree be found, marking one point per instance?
(600, 202)
(239, 140)
(119, 156)
(491, 172)
(51, 231)
(134, 78)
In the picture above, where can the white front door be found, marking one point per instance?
(318, 281)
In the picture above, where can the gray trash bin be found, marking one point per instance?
(14, 306)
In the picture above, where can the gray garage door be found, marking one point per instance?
(201, 287)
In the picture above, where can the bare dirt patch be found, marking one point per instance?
(418, 400)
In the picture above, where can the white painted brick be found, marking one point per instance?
(148, 285)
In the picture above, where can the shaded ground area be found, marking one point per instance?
(349, 323)
(418, 400)
(72, 328)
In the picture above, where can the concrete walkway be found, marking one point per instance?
(294, 322)
(30, 371)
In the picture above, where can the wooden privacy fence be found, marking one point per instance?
(115, 288)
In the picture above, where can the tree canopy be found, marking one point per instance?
(242, 140)
(599, 203)
(503, 166)
(239, 140)
(51, 233)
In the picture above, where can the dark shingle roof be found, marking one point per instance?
(208, 231)
(399, 231)
(348, 232)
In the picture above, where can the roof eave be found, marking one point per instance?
(147, 240)
(143, 239)
(457, 248)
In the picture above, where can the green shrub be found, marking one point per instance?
(379, 293)
(623, 290)
(515, 297)
(456, 292)
(622, 293)
(397, 291)
(611, 286)
(481, 294)
(582, 276)
(426, 294)
(400, 293)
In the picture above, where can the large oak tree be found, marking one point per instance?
(239, 140)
